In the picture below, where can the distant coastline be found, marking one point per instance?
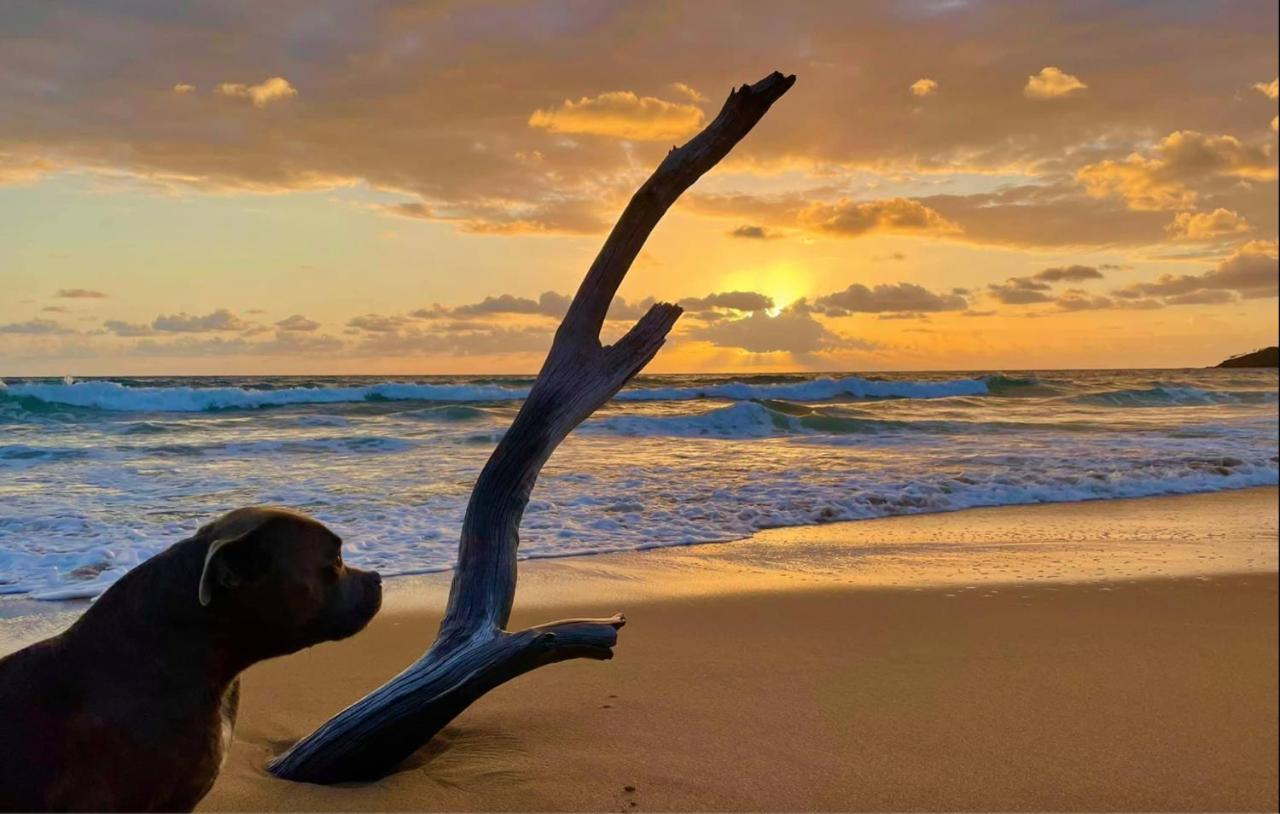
(1264, 357)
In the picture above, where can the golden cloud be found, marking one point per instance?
(923, 87)
(19, 169)
(1205, 225)
(557, 216)
(1051, 83)
(856, 218)
(621, 114)
(1161, 182)
(182, 88)
(1249, 272)
(270, 90)
(1271, 89)
(688, 90)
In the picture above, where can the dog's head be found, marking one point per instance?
(277, 578)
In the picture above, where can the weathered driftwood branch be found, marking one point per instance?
(473, 653)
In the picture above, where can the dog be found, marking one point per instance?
(132, 707)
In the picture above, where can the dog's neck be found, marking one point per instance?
(151, 626)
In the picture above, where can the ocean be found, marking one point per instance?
(96, 475)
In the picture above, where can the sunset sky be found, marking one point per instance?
(416, 188)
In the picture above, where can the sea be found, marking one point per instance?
(98, 474)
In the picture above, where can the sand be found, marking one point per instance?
(1117, 655)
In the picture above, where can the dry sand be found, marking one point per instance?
(1101, 656)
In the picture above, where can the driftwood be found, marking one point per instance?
(473, 653)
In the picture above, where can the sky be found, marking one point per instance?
(416, 188)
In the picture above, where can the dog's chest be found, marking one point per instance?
(227, 721)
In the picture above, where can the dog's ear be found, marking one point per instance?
(230, 561)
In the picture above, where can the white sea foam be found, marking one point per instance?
(86, 494)
(814, 390)
(109, 395)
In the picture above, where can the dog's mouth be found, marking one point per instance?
(356, 615)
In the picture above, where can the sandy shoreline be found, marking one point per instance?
(1097, 656)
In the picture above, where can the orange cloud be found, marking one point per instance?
(19, 169)
(1204, 225)
(270, 90)
(1162, 181)
(1051, 83)
(1249, 272)
(687, 90)
(856, 218)
(923, 87)
(621, 114)
(1271, 89)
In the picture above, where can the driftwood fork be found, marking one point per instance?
(473, 652)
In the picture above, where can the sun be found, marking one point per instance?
(781, 282)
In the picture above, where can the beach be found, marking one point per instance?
(1107, 655)
(1135, 673)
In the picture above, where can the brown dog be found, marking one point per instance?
(131, 709)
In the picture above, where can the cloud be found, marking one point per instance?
(1206, 225)
(402, 67)
(794, 330)
(567, 216)
(457, 340)
(1069, 274)
(121, 328)
(1250, 272)
(459, 86)
(1271, 89)
(887, 298)
(79, 294)
(621, 114)
(1051, 83)
(749, 232)
(685, 90)
(377, 323)
(1021, 291)
(549, 304)
(23, 169)
(1054, 215)
(1163, 181)
(285, 343)
(297, 322)
(1037, 288)
(35, 327)
(923, 87)
(182, 88)
(481, 315)
(728, 300)
(1204, 296)
(1076, 300)
(621, 309)
(847, 218)
(263, 94)
(219, 320)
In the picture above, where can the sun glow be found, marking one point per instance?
(782, 282)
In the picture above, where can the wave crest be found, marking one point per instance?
(114, 396)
